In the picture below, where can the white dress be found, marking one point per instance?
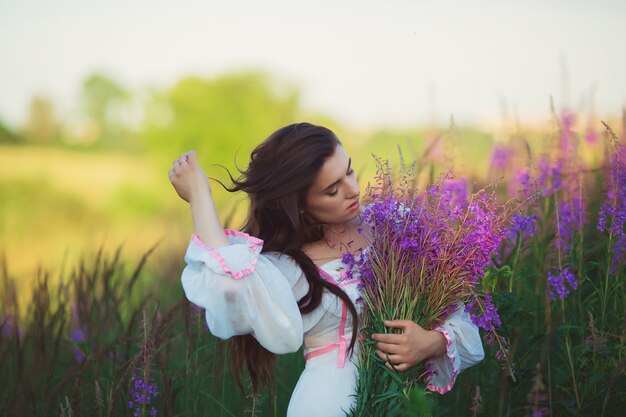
(246, 292)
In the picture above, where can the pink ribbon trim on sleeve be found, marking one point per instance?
(255, 244)
(443, 390)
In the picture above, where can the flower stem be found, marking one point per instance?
(569, 355)
(517, 250)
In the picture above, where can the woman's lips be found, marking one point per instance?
(354, 206)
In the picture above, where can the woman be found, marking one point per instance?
(279, 285)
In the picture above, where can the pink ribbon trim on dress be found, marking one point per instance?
(255, 245)
(342, 345)
(443, 390)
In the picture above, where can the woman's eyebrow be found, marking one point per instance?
(337, 182)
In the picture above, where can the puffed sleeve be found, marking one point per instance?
(244, 292)
(464, 348)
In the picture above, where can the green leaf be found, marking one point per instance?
(420, 403)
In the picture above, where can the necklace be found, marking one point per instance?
(339, 240)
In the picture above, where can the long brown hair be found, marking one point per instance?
(281, 171)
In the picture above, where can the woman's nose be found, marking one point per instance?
(353, 191)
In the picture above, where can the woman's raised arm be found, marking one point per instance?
(191, 184)
(241, 290)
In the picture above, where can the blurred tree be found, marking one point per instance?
(41, 125)
(106, 103)
(219, 117)
(7, 135)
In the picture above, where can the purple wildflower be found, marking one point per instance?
(78, 332)
(79, 335)
(557, 284)
(483, 236)
(79, 356)
(142, 392)
(565, 177)
(487, 317)
(500, 158)
(9, 326)
(567, 128)
(455, 192)
(613, 211)
(570, 213)
(429, 371)
(591, 136)
(522, 225)
(549, 178)
(543, 175)
(557, 178)
(521, 183)
(448, 311)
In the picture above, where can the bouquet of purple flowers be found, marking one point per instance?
(427, 259)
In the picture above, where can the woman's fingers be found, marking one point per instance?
(389, 347)
(393, 362)
(185, 160)
(179, 165)
(389, 357)
(191, 157)
(399, 324)
(388, 337)
(394, 337)
(187, 155)
(392, 358)
(180, 159)
(400, 368)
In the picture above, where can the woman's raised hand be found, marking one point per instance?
(187, 177)
(406, 350)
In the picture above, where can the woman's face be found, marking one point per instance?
(332, 197)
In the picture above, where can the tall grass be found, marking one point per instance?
(96, 343)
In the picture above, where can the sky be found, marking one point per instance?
(365, 62)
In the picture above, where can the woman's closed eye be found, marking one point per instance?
(334, 193)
